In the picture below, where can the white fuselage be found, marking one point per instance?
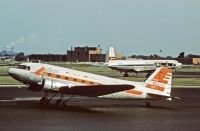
(141, 65)
(32, 73)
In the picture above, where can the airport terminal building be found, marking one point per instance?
(76, 54)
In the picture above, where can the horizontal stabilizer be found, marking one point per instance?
(95, 90)
(157, 96)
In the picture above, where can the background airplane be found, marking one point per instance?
(59, 80)
(138, 65)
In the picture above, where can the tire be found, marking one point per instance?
(44, 101)
(58, 102)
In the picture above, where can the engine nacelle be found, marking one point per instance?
(52, 84)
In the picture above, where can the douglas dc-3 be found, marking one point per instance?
(59, 80)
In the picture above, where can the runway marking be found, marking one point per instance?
(13, 86)
(105, 109)
(21, 99)
(27, 99)
(33, 98)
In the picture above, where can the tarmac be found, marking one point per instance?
(20, 110)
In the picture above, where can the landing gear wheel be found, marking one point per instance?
(63, 104)
(125, 75)
(58, 102)
(44, 101)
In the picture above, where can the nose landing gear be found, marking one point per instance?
(62, 101)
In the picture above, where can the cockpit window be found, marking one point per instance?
(28, 68)
(24, 67)
(170, 64)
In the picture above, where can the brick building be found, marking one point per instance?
(85, 54)
(189, 59)
(196, 61)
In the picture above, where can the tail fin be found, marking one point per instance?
(160, 80)
(111, 53)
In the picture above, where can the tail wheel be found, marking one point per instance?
(147, 103)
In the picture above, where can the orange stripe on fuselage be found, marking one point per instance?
(42, 71)
(72, 79)
(134, 92)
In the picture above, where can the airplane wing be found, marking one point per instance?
(95, 90)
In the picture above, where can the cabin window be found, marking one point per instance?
(58, 76)
(66, 78)
(163, 64)
(22, 67)
(170, 64)
(49, 74)
(75, 79)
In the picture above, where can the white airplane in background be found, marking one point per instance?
(59, 80)
(138, 65)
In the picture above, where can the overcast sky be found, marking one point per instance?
(131, 26)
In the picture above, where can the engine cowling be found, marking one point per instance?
(52, 84)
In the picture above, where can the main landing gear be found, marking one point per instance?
(125, 74)
(44, 101)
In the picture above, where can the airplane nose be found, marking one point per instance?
(15, 73)
(179, 65)
(11, 71)
(18, 74)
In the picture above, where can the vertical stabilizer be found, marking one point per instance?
(160, 80)
(111, 53)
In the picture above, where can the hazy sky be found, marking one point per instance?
(131, 26)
